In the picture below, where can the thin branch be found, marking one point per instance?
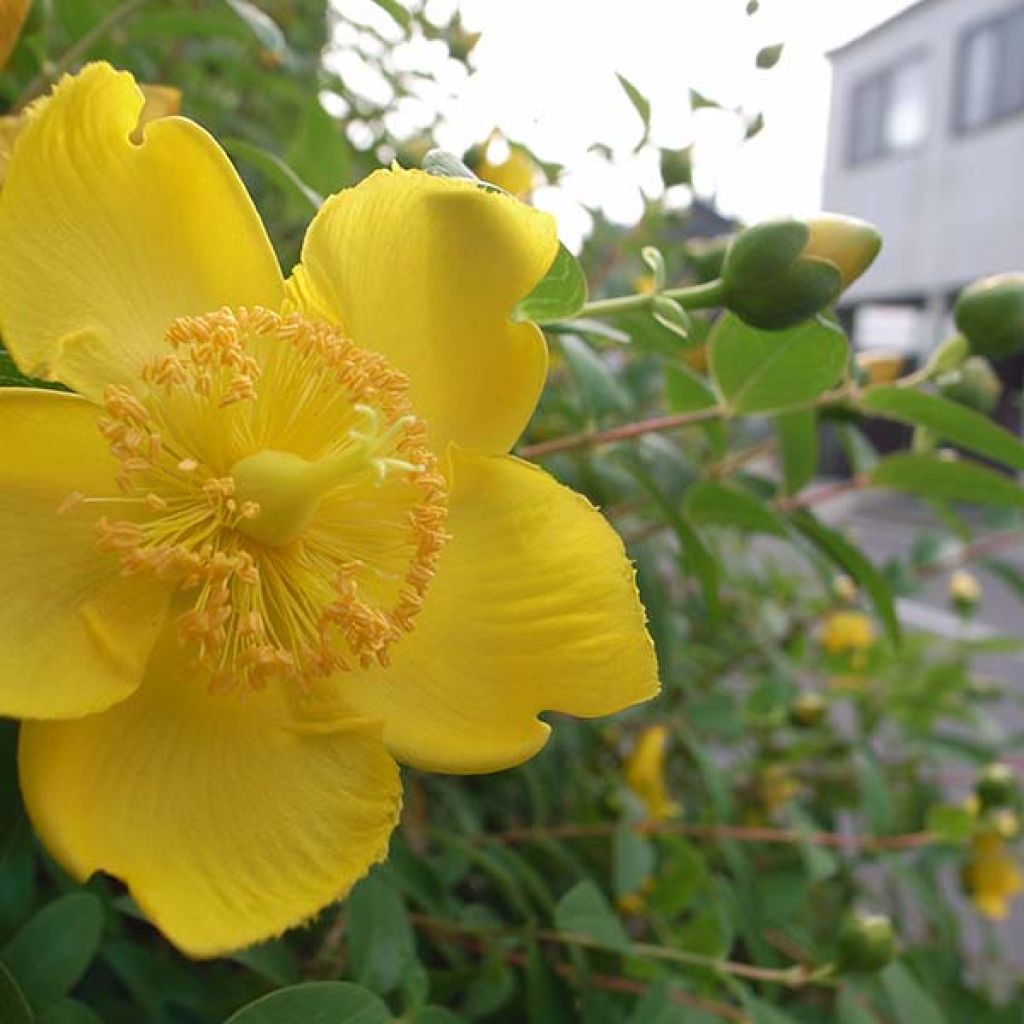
(607, 982)
(734, 833)
(793, 977)
(77, 51)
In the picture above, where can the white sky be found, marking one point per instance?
(544, 74)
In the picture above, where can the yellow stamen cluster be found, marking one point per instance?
(275, 472)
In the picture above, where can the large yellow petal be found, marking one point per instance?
(533, 607)
(105, 240)
(427, 271)
(228, 821)
(74, 634)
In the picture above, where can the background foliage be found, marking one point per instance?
(809, 759)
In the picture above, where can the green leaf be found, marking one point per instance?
(67, 1011)
(949, 421)
(602, 393)
(396, 12)
(641, 104)
(584, 910)
(850, 560)
(797, 433)
(684, 876)
(950, 823)
(850, 1010)
(765, 371)
(632, 860)
(768, 56)
(911, 1004)
(562, 292)
(318, 151)
(276, 171)
(49, 955)
(267, 32)
(686, 391)
(380, 935)
(714, 504)
(13, 1007)
(316, 1002)
(274, 961)
(946, 480)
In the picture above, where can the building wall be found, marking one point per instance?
(951, 210)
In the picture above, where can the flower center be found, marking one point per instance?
(278, 475)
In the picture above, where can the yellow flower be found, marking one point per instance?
(776, 787)
(645, 773)
(880, 366)
(276, 541)
(12, 20)
(160, 101)
(847, 632)
(516, 174)
(991, 877)
(964, 589)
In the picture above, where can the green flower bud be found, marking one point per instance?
(677, 166)
(996, 786)
(990, 313)
(949, 355)
(781, 272)
(974, 384)
(867, 942)
(807, 711)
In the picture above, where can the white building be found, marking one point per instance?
(926, 141)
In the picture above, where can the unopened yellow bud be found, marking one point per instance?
(991, 876)
(808, 710)
(964, 590)
(849, 244)
(880, 366)
(779, 273)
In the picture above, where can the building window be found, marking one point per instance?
(890, 111)
(991, 71)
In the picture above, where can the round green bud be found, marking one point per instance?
(807, 711)
(781, 272)
(973, 384)
(867, 942)
(990, 313)
(996, 786)
(677, 167)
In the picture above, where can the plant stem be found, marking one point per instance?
(610, 983)
(699, 296)
(78, 50)
(736, 833)
(793, 977)
(656, 424)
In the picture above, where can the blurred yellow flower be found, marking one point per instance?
(275, 543)
(696, 358)
(645, 773)
(12, 20)
(991, 877)
(775, 787)
(848, 632)
(880, 366)
(516, 174)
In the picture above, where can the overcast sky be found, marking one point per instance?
(544, 73)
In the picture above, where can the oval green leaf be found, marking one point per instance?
(947, 480)
(316, 1002)
(769, 371)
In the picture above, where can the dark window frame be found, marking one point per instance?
(882, 78)
(997, 23)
